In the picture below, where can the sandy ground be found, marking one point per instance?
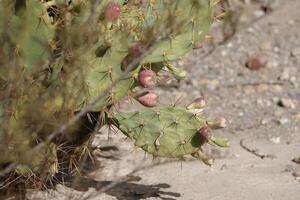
(251, 102)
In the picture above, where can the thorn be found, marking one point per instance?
(141, 125)
(218, 17)
(157, 113)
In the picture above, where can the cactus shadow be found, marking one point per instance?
(129, 190)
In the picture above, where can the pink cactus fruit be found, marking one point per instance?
(220, 122)
(150, 99)
(112, 12)
(198, 46)
(147, 78)
(204, 132)
(198, 103)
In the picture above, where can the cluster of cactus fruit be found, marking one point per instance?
(72, 61)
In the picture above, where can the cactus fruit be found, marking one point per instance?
(198, 46)
(204, 132)
(112, 11)
(147, 78)
(219, 122)
(198, 103)
(150, 99)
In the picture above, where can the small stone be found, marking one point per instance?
(296, 52)
(255, 62)
(285, 75)
(259, 13)
(275, 99)
(291, 22)
(229, 45)
(296, 117)
(286, 103)
(224, 53)
(293, 80)
(248, 90)
(265, 121)
(277, 89)
(266, 46)
(250, 30)
(276, 49)
(296, 175)
(262, 87)
(296, 160)
(275, 140)
(284, 120)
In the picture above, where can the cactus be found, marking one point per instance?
(166, 131)
(58, 58)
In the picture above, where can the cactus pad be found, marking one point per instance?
(163, 131)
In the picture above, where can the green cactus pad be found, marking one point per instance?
(105, 71)
(189, 21)
(31, 30)
(163, 131)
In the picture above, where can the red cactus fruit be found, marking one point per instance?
(204, 132)
(112, 12)
(136, 50)
(197, 103)
(147, 78)
(150, 99)
(198, 46)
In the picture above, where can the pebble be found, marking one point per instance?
(255, 62)
(296, 175)
(259, 13)
(276, 49)
(293, 80)
(250, 30)
(248, 90)
(284, 120)
(224, 53)
(265, 121)
(277, 89)
(262, 88)
(291, 22)
(296, 52)
(286, 103)
(263, 102)
(296, 117)
(275, 140)
(285, 75)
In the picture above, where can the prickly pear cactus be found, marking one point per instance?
(59, 57)
(167, 131)
(163, 131)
